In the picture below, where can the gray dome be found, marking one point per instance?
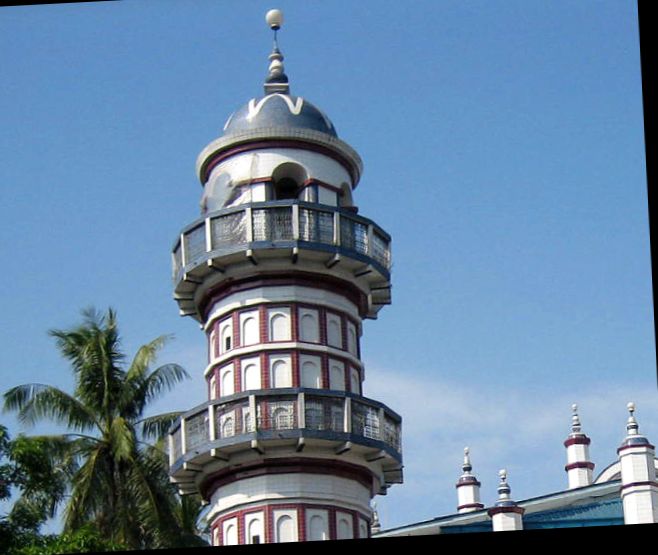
(278, 110)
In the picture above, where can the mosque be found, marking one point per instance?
(280, 271)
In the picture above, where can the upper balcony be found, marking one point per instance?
(288, 230)
(299, 419)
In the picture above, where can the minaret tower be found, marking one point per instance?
(639, 488)
(280, 271)
(468, 488)
(579, 467)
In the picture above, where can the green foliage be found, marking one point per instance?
(115, 481)
(83, 540)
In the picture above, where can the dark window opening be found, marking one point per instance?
(255, 539)
(285, 188)
(227, 344)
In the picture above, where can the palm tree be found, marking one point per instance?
(120, 483)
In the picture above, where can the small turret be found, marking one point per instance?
(579, 467)
(468, 488)
(505, 514)
(639, 489)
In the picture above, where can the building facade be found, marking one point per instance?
(624, 492)
(280, 271)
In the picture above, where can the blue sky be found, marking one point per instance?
(503, 151)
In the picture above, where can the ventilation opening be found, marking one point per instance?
(287, 179)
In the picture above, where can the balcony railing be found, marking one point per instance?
(236, 228)
(320, 413)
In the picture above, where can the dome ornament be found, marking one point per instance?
(276, 80)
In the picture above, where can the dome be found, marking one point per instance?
(278, 110)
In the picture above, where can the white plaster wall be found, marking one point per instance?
(467, 495)
(317, 525)
(640, 505)
(254, 526)
(577, 453)
(306, 488)
(282, 294)
(344, 526)
(579, 477)
(636, 466)
(246, 166)
(507, 521)
(285, 532)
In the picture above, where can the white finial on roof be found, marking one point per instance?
(276, 80)
(631, 425)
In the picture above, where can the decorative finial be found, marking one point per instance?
(575, 420)
(276, 80)
(631, 425)
(467, 467)
(503, 488)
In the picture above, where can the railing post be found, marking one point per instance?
(253, 412)
(382, 424)
(295, 222)
(301, 411)
(183, 254)
(208, 235)
(172, 450)
(183, 437)
(212, 433)
(347, 423)
(250, 225)
(369, 245)
(337, 228)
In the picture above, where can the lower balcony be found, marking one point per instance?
(284, 418)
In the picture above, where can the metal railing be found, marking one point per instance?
(296, 409)
(232, 229)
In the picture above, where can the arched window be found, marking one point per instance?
(351, 338)
(228, 427)
(285, 531)
(287, 180)
(225, 338)
(311, 375)
(227, 382)
(279, 326)
(231, 534)
(355, 384)
(249, 331)
(336, 376)
(309, 330)
(212, 386)
(334, 335)
(317, 529)
(254, 531)
(345, 531)
(281, 375)
(251, 377)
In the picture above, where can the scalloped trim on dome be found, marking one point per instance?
(295, 109)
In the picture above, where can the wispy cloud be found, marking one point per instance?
(505, 427)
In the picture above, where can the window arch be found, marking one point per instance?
(227, 382)
(287, 180)
(311, 374)
(279, 325)
(249, 331)
(281, 375)
(285, 531)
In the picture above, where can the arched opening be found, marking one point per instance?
(287, 180)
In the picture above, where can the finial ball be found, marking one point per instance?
(466, 450)
(631, 406)
(574, 408)
(502, 473)
(274, 19)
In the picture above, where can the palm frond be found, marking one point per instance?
(156, 427)
(35, 402)
(150, 386)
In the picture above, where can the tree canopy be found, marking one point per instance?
(110, 474)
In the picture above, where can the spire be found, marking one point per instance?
(503, 489)
(631, 425)
(575, 421)
(468, 488)
(276, 80)
(579, 467)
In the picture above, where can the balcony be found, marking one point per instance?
(293, 228)
(294, 417)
